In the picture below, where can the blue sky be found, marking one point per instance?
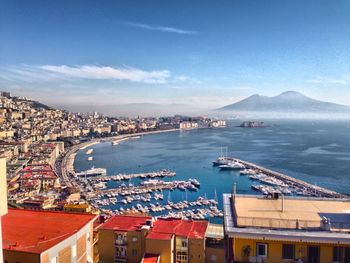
(203, 53)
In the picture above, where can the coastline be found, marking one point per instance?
(67, 164)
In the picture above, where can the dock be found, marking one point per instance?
(313, 190)
(122, 177)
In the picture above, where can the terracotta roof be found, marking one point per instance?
(179, 227)
(161, 236)
(150, 258)
(36, 231)
(39, 175)
(125, 223)
(32, 168)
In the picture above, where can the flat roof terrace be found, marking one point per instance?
(291, 212)
(302, 219)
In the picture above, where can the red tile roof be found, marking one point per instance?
(32, 168)
(39, 175)
(150, 258)
(179, 227)
(36, 231)
(125, 223)
(161, 236)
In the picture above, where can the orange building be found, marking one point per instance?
(176, 240)
(47, 237)
(122, 238)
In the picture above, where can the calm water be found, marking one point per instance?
(315, 151)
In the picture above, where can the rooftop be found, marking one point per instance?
(36, 231)
(282, 228)
(125, 223)
(215, 231)
(164, 228)
(289, 212)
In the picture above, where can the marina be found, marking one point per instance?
(121, 177)
(147, 196)
(274, 182)
(189, 154)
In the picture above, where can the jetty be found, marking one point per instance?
(122, 177)
(303, 187)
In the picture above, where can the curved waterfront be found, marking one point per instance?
(314, 152)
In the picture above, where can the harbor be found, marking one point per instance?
(146, 197)
(273, 182)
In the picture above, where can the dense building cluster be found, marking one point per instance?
(33, 136)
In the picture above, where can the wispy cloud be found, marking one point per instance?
(164, 29)
(58, 72)
(327, 81)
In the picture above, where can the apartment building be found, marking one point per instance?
(286, 229)
(122, 239)
(47, 237)
(3, 199)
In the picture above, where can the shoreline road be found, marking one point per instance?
(66, 160)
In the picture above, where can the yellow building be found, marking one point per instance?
(122, 239)
(47, 237)
(287, 229)
(131, 239)
(3, 199)
(176, 240)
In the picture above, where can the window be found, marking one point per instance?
(184, 243)
(134, 252)
(337, 254)
(181, 257)
(213, 258)
(74, 251)
(261, 250)
(341, 254)
(134, 239)
(287, 251)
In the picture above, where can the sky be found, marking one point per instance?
(205, 54)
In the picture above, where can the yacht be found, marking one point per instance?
(232, 166)
(222, 160)
(93, 172)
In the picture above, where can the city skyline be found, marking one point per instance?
(206, 55)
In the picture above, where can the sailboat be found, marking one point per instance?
(222, 159)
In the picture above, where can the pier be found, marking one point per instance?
(147, 187)
(122, 177)
(311, 189)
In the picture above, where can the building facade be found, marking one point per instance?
(3, 199)
(293, 229)
(122, 239)
(47, 237)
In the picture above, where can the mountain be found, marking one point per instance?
(289, 101)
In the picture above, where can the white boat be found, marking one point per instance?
(90, 158)
(232, 166)
(247, 172)
(93, 172)
(90, 151)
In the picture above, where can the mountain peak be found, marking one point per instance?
(288, 101)
(291, 94)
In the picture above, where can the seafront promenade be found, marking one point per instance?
(65, 167)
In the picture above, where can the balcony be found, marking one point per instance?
(121, 242)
